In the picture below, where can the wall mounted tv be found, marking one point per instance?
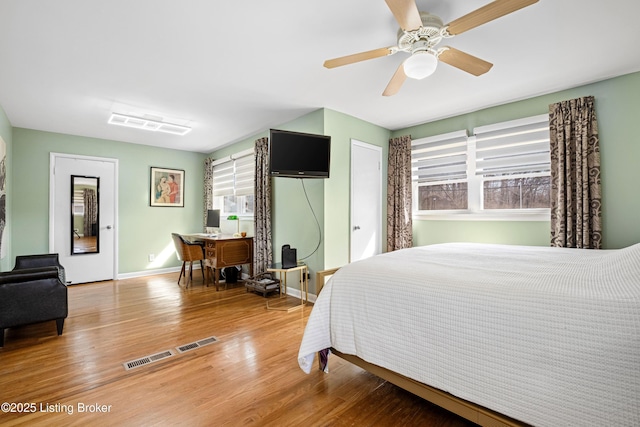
(299, 155)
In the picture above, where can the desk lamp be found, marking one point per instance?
(235, 218)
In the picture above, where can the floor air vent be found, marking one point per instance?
(197, 344)
(147, 359)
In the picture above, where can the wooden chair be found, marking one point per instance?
(188, 252)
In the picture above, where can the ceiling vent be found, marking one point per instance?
(148, 124)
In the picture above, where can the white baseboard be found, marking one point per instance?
(144, 273)
(296, 293)
(290, 291)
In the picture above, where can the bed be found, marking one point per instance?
(500, 334)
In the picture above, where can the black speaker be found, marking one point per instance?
(289, 257)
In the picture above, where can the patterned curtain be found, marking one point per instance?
(263, 252)
(399, 223)
(90, 211)
(208, 190)
(576, 196)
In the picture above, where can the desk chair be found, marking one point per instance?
(188, 252)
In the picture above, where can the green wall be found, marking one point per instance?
(617, 108)
(534, 233)
(292, 220)
(337, 197)
(6, 133)
(142, 230)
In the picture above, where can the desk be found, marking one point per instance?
(304, 284)
(225, 251)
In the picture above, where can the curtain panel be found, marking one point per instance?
(90, 211)
(576, 195)
(208, 190)
(399, 222)
(263, 252)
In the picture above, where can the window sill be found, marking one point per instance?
(492, 215)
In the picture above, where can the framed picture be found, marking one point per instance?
(167, 187)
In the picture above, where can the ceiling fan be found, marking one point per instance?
(419, 35)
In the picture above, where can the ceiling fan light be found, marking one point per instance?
(420, 64)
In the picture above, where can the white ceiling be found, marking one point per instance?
(233, 69)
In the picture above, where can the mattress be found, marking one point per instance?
(548, 336)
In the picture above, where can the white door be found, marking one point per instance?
(85, 265)
(366, 200)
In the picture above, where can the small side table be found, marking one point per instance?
(304, 284)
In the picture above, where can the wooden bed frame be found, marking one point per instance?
(472, 412)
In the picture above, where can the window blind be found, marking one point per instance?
(244, 175)
(514, 147)
(439, 158)
(234, 175)
(223, 179)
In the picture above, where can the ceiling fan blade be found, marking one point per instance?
(491, 11)
(464, 61)
(357, 57)
(396, 81)
(406, 13)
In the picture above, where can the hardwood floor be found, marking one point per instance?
(249, 377)
(85, 244)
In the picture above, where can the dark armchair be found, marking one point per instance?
(43, 260)
(33, 292)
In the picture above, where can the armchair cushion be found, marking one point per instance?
(32, 295)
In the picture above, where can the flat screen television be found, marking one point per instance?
(299, 155)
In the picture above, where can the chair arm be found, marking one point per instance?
(40, 260)
(28, 274)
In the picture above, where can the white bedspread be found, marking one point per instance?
(548, 336)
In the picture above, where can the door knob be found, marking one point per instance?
(355, 228)
(108, 227)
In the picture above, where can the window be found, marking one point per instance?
(78, 203)
(517, 193)
(504, 171)
(233, 184)
(513, 163)
(439, 172)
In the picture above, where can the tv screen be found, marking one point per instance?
(299, 155)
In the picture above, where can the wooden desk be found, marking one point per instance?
(225, 251)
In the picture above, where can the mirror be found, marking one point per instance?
(85, 217)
